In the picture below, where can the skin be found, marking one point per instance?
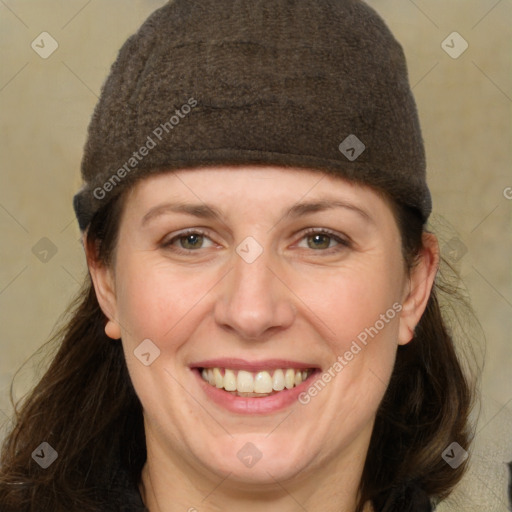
(304, 298)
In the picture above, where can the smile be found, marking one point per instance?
(262, 383)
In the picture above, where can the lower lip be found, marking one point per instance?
(246, 405)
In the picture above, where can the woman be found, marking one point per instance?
(260, 326)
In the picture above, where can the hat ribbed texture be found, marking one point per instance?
(274, 82)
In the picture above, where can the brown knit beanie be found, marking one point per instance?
(318, 84)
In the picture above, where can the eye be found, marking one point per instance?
(187, 241)
(192, 241)
(320, 239)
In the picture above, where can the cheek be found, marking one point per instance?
(349, 303)
(362, 314)
(154, 298)
(357, 312)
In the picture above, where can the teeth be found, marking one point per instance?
(289, 378)
(278, 380)
(262, 383)
(244, 382)
(219, 380)
(229, 380)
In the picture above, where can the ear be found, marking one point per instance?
(103, 279)
(418, 288)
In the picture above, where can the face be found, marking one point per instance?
(274, 300)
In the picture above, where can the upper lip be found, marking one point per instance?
(252, 366)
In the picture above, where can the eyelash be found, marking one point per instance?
(342, 242)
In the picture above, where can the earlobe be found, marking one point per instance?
(407, 323)
(113, 330)
(419, 287)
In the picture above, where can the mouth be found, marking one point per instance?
(246, 387)
(255, 384)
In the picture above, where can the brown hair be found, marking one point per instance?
(86, 408)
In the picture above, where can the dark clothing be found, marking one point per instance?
(126, 495)
(134, 503)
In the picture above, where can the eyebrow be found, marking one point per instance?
(206, 211)
(202, 211)
(328, 204)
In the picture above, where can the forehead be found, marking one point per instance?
(256, 196)
(237, 185)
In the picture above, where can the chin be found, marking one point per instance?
(254, 460)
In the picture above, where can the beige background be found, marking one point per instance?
(465, 109)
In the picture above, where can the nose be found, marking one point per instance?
(253, 301)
